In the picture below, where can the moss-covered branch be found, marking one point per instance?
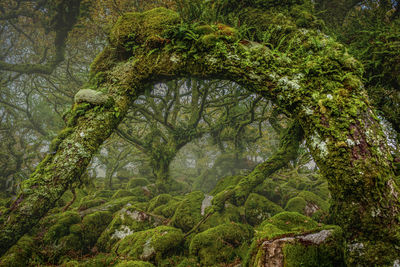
(286, 152)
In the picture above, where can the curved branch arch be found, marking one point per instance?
(310, 76)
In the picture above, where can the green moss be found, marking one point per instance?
(296, 204)
(19, 254)
(142, 193)
(122, 193)
(297, 241)
(137, 182)
(128, 220)
(86, 204)
(159, 200)
(291, 222)
(93, 225)
(104, 194)
(60, 137)
(231, 213)
(220, 244)
(134, 264)
(167, 210)
(137, 28)
(188, 212)
(61, 226)
(100, 260)
(152, 244)
(259, 208)
(226, 182)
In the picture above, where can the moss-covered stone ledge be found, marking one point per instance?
(292, 239)
(305, 72)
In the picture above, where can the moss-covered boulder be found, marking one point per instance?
(60, 228)
(134, 182)
(150, 245)
(259, 208)
(122, 193)
(87, 203)
(111, 205)
(221, 244)
(19, 254)
(292, 239)
(229, 214)
(134, 264)
(128, 220)
(188, 212)
(309, 204)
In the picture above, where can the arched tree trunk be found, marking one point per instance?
(310, 76)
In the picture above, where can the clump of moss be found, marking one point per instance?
(61, 227)
(150, 245)
(86, 204)
(259, 208)
(188, 212)
(226, 182)
(122, 193)
(137, 28)
(19, 254)
(309, 204)
(297, 241)
(229, 214)
(220, 244)
(158, 201)
(93, 225)
(134, 264)
(104, 194)
(128, 220)
(137, 182)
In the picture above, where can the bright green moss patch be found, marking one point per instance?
(134, 29)
(19, 254)
(296, 204)
(188, 212)
(134, 264)
(231, 213)
(134, 182)
(226, 182)
(159, 200)
(291, 222)
(128, 220)
(296, 241)
(122, 193)
(151, 244)
(61, 226)
(220, 244)
(84, 205)
(259, 208)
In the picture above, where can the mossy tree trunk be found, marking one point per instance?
(310, 76)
